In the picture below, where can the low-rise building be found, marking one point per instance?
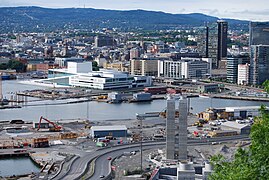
(102, 131)
(208, 88)
(186, 68)
(244, 111)
(239, 128)
(81, 75)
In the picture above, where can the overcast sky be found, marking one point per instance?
(240, 9)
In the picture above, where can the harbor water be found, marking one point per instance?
(99, 111)
(17, 166)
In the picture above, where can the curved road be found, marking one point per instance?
(102, 165)
(79, 166)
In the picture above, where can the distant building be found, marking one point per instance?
(135, 53)
(232, 66)
(212, 42)
(187, 68)
(119, 66)
(243, 74)
(259, 64)
(259, 33)
(202, 41)
(222, 39)
(102, 40)
(62, 62)
(208, 88)
(144, 67)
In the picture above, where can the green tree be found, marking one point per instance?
(17, 65)
(3, 66)
(249, 163)
(95, 66)
(265, 84)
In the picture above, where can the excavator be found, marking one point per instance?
(55, 128)
(163, 113)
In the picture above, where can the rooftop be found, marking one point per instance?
(108, 128)
(231, 109)
(233, 124)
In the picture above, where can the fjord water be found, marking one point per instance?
(99, 111)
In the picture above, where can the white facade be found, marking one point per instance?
(100, 61)
(251, 111)
(63, 61)
(187, 68)
(81, 75)
(109, 79)
(74, 67)
(243, 74)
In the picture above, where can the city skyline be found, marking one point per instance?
(245, 10)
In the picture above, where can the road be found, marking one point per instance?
(78, 168)
(102, 165)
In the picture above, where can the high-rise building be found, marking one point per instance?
(259, 33)
(259, 64)
(222, 39)
(212, 42)
(232, 66)
(202, 41)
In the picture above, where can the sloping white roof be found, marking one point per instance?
(233, 124)
(108, 128)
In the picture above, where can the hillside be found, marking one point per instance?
(21, 19)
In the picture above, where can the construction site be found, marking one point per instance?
(54, 143)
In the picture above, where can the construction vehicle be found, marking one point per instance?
(55, 127)
(102, 97)
(198, 124)
(163, 114)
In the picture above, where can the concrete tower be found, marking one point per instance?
(170, 128)
(176, 130)
(182, 129)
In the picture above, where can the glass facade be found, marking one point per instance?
(232, 67)
(259, 33)
(259, 64)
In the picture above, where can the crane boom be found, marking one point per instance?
(56, 127)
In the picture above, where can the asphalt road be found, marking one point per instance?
(102, 164)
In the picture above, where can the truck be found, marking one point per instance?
(100, 144)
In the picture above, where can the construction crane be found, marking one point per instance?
(55, 127)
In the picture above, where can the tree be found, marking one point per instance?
(3, 66)
(17, 65)
(265, 84)
(249, 163)
(95, 66)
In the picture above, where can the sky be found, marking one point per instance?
(255, 10)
